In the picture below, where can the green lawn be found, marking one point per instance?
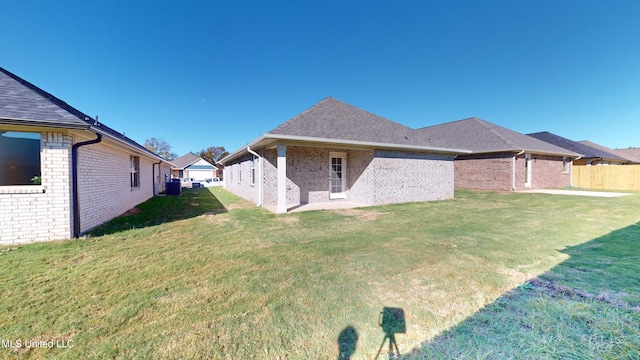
(207, 275)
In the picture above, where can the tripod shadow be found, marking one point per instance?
(392, 322)
(347, 341)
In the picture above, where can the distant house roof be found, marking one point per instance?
(22, 103)
(332, 121)
(619, 155)
(481, 136)
(587, 151)
(185, 160)
(632, 153)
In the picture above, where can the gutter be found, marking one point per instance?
(260, 186)
(513, 172)
(74, 171)
(43, 123)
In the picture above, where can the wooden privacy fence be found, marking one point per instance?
(608, 177)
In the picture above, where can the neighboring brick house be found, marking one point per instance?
(47, 146)
(192, 167)
(502, 159)
(334, 151)
(589, 154)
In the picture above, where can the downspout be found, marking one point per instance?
(153, 174)
(260, 190)
(513, 172)
(74, 171)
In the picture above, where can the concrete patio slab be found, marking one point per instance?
(576, 192)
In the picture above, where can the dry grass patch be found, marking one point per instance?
(360, 214)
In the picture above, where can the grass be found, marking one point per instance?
(207, 275)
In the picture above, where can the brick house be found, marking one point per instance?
(590, 154)
(61, 171)
(502, 159)
(335, 151)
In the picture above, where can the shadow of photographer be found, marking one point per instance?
(347, 341)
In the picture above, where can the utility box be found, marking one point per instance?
(173, 188)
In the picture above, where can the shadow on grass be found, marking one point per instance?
(347, 342)
(584, 308)
(162, 209)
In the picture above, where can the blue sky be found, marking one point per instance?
(220, 73)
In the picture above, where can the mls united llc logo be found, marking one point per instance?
(37, 344)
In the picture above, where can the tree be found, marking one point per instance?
(213, 153)
(160, 148)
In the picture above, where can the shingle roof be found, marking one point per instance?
(481, 136)
(21, 100)
(585, 150)
(22, 103)
(185, 160)
(631, 153)
(619, 156)
(334, 119)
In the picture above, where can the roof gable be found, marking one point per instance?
(185, 160)
(585, 150)
(333, 119)
(481, 136)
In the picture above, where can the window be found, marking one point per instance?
(239, 173)
(252, 173)
(565, 165)
(19, 158)
(135, 171)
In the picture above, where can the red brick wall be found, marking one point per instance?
(484, 171)
(495, 172)
(546, 173)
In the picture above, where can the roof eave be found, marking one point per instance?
(532, 151)
(127, 144)
(44, 123)
(267, 138)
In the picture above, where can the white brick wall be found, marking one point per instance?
(43, 213)
(40, 213)
(104, 183)
(374, 177)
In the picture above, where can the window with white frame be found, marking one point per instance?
(135, 171)
(19, 158)
(566, 164)
(252, 173)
